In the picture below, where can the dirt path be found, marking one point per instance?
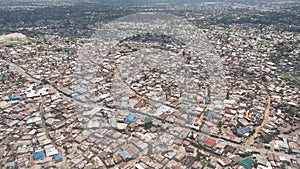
(41, 110)
(64, 164)
(266, 116)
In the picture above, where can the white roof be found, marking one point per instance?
(33, 120)
(282, 158)
(122, 126)
(51, 151)
(33, 131)
(161, 110)
(138, 166)
(93, 124)
(92, 112)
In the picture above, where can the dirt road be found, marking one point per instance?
(266, 116)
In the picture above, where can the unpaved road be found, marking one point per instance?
(266, 116)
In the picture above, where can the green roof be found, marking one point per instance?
(261, 159)
(264, 101)
(112, 121)
(181, 106)
(246, 162)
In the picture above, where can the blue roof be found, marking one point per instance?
(2, 75)
(39, 154)
(81, 91)
(14, 97)
(207, 100)
(208, 113)
(244, 130)
(130, 117)
(124, 154)
(75, 96)
(59, 156)
(9, 164)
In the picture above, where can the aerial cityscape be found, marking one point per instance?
(150, 84)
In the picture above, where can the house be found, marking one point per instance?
(130, 117)
(186, 143)
(39, 154)
(10, 165)
(93, 124)
(230, 149)
(210, 142)
(224, 161)
(208, 113)
(117, 159)
(121, 126)
(235, 159)
(189, 149)
(207, 100)
(262, 160)
(14, 97)
(109, 162)
(51, 151)
(244, 131)
(141, 166)
(243, 122)
(58, 157)
(33, 119)
(247, 162)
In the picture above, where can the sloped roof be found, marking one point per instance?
(58, 156)
(210, 141)
(112, 121)
(246, 162)
(39, 154)
(130, 117)
(261, 159)
(244, 130)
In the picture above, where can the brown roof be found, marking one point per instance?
(103, 154)
(118, 159)
(146, 159)
(163, 116)
(230, 148)
(189, 149)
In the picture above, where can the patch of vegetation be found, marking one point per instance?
(59, 117)
(268, 138)
(65, 50)
(162, 129)
(44, 81)
(247, 154)
(291, 77)
(234, 130)
(14, 43)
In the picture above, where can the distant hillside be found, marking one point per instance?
(183, 1)
(138, 1)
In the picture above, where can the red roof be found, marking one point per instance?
(65, 80)
(185, 142)
(210, 141)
